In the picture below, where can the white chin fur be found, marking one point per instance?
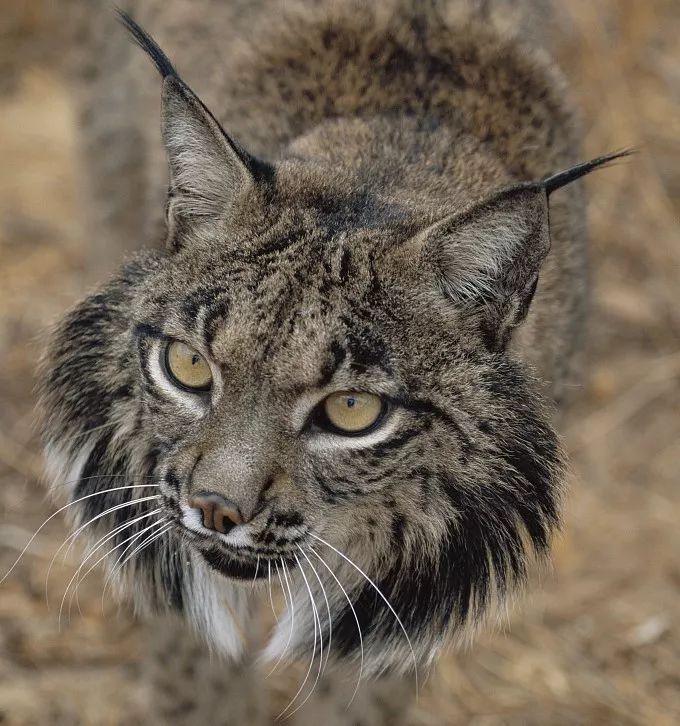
(283, 643)
(217, 608)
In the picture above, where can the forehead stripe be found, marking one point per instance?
(146, 330)
(197, 300)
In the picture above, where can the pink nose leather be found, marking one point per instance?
(219, 514)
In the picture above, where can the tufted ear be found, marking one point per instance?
(488, 257)
(209, 172)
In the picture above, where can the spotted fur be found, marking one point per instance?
(374, 217)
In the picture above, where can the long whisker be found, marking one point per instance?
(384, 599)
(285, 599)
(257, 569)
(61, 509)
(72, 537)
(311, 662)
(133, 537)
(328, 607)
(269, 582)
(68, 587)
(106, 512)
(356, 619)
(99, 544)
(283, 590)
(292, 610)
(318, 619)
(90, 554)
(292, 614)
(117, 566)
(148, 541)
(315, 613)
(145, 543)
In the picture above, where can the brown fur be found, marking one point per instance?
(384, 229)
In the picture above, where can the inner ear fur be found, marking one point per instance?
(209, 171)
(487, 258)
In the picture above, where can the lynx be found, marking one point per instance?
(338, 373)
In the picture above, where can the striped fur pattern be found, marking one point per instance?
(387, 230)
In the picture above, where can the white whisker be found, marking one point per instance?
(285, 599)
(72, 537)
(142, 545)
(315, 618)
(118, 564)
(148, 541)
(292, 606)
(292, 615)
(257, 569)
(145, 543)
(318, 618)
(328, 607)
(63, 600)
(115, 508)
(269, 582)
(356, 619)
(61, 509)
(99, 544)
(70, 583)
(384, 599)
(278, 574)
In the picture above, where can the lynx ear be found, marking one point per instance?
(209, 172)
(488, 257)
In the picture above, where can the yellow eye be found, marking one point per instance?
(353, 412)
(187, 367)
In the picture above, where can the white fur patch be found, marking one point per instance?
(216, 607)
(63, 467)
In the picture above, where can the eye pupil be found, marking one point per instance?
(186, 367)
(351, 413)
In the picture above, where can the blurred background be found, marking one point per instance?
(597, 641)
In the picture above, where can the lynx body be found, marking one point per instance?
(357, 203)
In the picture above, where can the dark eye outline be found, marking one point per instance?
(318, 418)
(197, 390)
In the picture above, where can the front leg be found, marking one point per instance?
(385, 701)
(187, 684)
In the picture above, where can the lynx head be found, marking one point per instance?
(311, 385)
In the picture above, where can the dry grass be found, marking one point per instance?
(599, 641)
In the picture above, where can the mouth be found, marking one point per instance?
(237, 563)
(236, 569)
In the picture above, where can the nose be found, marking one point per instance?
(219, 514)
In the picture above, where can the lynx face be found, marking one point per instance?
(430, 496)
(311, 385)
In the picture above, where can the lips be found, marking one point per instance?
(239, 563)
(232, 567)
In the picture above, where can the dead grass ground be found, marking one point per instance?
(599, 641)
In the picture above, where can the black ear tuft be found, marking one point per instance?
(567, 176)
(147, 44)
(209, 172)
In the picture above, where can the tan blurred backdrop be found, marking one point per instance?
(598, 642)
